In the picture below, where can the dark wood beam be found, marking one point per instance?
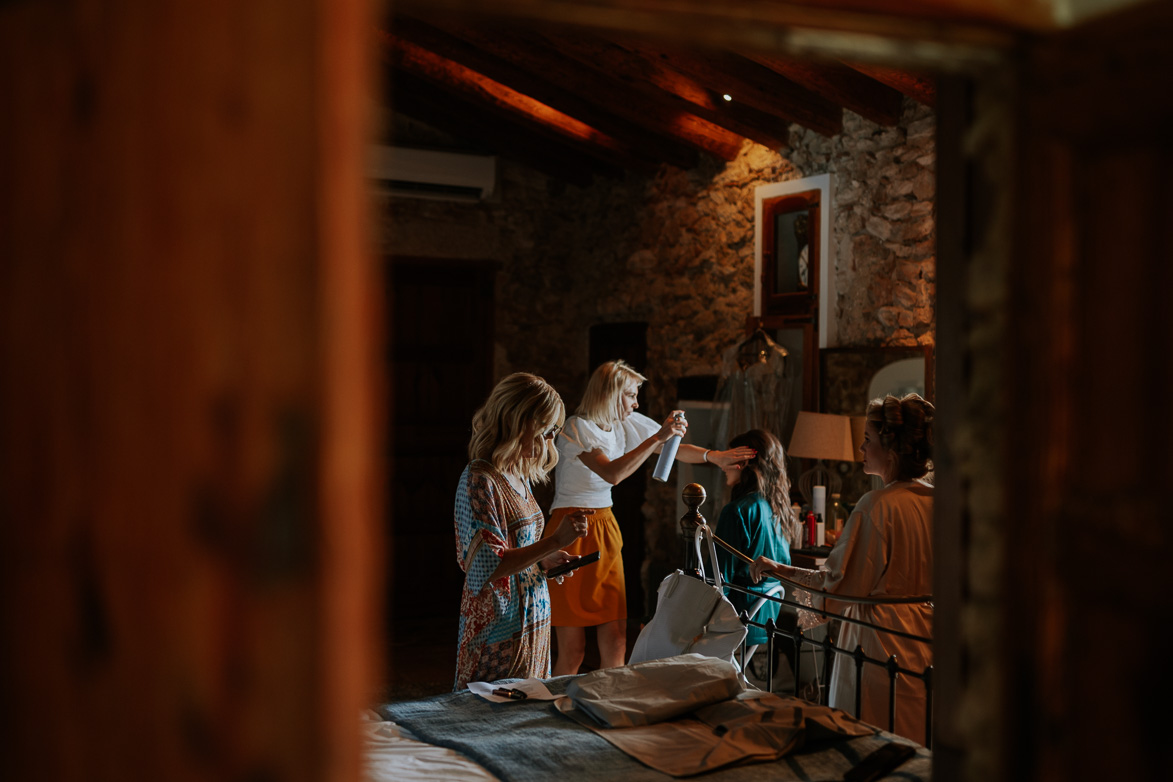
(506, 102)
(651, 76)
(840, 84)
(752, 84)
(921, 89)
(738, 24)
(659, 113)
(656, 148)
(418, 99)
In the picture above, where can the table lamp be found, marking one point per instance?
(857, 424)
(822, 436)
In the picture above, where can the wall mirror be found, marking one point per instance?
(850, 377)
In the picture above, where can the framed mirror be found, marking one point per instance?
(850, 377)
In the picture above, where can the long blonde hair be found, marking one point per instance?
(600, 401)
(520, 406)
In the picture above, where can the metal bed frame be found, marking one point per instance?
(800, 639)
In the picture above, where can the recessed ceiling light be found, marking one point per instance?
(727, 96)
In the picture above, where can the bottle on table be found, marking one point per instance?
(838, 517)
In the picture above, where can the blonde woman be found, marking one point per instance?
(604, 442)
(505, 606)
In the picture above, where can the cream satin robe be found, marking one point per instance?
(886, 550)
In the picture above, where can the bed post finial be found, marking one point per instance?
(694, 496)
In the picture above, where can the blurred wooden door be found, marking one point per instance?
(188, 445)
(1090, 339)
(441, 371)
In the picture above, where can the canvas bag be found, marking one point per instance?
(691, 616)
(653, 691)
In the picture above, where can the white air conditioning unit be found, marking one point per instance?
(423, 173)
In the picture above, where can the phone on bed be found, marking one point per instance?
(880, 763)
(573, 564)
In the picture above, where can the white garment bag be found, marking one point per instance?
(691, 616)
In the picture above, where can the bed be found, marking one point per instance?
(461, 736)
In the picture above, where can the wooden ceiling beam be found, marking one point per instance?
(504, 101)
(737, 24)
(416, 98)
(658, 113)
(920, 88)
(650, 76)
(752, 84)
(656, 148)
(840, 84)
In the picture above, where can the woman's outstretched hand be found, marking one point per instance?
(672, 426)
(573, 526)
(760, 567)
(734, 457)
(556, 559)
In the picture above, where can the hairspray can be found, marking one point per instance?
(667, 455)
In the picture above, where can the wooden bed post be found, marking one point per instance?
(189, 410)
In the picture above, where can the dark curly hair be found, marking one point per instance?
(905, 425)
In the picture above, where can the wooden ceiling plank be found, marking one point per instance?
(741, 23)
(654, 147)
(418, 99)
(921, 89)
(658, 113)
(753, 84)
(653, 77)
(506, 102)
(836, 82)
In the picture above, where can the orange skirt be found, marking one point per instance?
(595, 594)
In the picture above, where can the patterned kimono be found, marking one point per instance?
(504, 624)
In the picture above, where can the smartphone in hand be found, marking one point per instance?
(573, 564)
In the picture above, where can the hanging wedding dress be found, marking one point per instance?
(756, 390)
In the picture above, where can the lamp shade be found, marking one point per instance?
(824, 436)
(857, 424)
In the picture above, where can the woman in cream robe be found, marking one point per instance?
(885, 551)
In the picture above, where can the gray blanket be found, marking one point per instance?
(530, 741)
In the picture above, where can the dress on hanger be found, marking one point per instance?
(756, 389)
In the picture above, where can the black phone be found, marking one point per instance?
(573, 564)
(881, 762)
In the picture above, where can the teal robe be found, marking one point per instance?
(748, 524)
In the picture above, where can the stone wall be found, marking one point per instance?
(677, 250)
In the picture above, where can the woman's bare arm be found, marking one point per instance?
(515, 560)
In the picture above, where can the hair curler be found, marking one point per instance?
(667, 455)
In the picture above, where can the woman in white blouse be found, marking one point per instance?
(604, 442)
(886, 550)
